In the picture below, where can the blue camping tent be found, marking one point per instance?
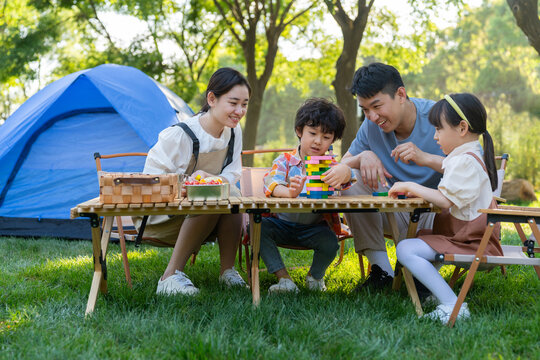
(47, 145)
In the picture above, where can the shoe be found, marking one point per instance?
(378, 279)
(423, 291)
(284, 285)
(231, 277)
(443, 312)
(178, 283)
(314, 284)
(431, 300)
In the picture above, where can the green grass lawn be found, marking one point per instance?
(44, 286)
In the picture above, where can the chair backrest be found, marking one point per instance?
(98, 157)
(251, 181)
(501, 173)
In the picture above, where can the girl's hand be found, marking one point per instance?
(407, 188)
(337, 175)
(409, 152)
(296, 186)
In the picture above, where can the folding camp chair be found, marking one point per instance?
(460, 271)
(512, 255)
(251, 184)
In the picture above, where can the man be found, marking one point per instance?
(394, 143)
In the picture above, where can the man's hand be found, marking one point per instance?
(337, 175)
(372, 169)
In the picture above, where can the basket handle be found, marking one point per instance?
(133, 181)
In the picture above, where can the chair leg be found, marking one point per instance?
(458, 272)
(361, 262)
(398, 277)
(537, 268)
(341, 252)
(240, 256)
(503, 270)
(124, 250)
(248, 263)
(520, 232)
(470, 276)
(193, 258)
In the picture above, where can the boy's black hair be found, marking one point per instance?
(321, 112)
(476, 114)
(376, 77)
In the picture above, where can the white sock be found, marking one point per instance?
(379, 258)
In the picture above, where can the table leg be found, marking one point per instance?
(255, 235)
(409, 282)
(99, 247)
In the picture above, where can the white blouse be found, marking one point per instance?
(465, 182)
(172, 152)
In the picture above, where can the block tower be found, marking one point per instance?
(316, 188)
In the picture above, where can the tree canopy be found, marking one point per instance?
(292, 50)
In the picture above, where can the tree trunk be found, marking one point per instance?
(353, 31)
(249, 134)
(526, 15)
(345, 67)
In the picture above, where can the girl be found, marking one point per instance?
(466, 186)
(220, 144)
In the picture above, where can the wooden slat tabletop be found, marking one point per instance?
(185, 206)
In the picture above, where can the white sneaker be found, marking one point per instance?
(178, 283)
(314, 284)
(231, 277)
(443, 312)
(284, 285)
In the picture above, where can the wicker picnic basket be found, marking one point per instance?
(135, 188)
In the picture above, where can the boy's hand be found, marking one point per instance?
(296, 186)
(337, 175)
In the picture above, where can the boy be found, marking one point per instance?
(318, 123)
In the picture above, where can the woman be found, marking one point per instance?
(220, 144)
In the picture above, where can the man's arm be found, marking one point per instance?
(350, 160)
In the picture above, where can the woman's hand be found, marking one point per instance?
(203, 175)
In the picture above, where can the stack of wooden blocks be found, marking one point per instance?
(316, 166)
(127, 188)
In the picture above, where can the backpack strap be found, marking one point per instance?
(196, 145)
(194, 139)
(230, 151)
